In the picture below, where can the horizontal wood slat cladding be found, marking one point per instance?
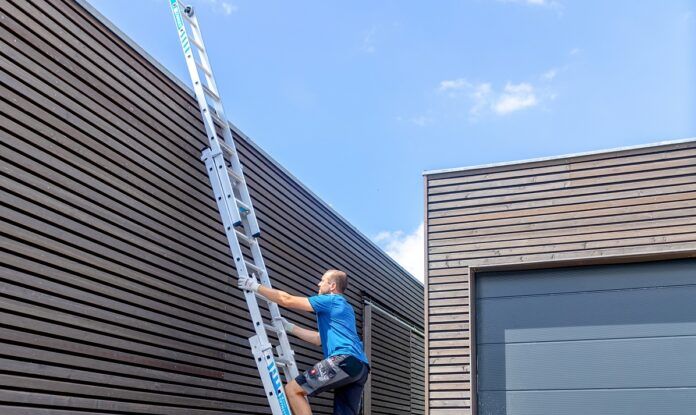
(632, 202)
(117, 285)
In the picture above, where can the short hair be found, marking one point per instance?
(340, 278)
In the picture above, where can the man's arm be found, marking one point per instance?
(310, 336)
(284, 299)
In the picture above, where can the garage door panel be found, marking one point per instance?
(563, 280)
(604, 402)
(613, 339)
(665, 311)
(625, 363)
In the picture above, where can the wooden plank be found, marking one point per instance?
(440, 302)
(669, 178)
(639, 203)
(582, 186)
(450, 352)
(438, 288)
(656, 188)
(450, 360)
(628, 245)
(436, 327)
(461, 309)
(450, 318)
(438, 386)
(575, 163)
(593, 224)
(466, 250)
(450, 335)
(450, 395)
(575, 177)
(450, 293)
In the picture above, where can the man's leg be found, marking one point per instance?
(297, 397)
(348, 398)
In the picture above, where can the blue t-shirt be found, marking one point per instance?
(336, 321)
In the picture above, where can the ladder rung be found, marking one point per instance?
(217, 118)
(270, 328)
(243, 206)
(234, 175)
(226, 147)
(210, 93)
(243, 237)
(262, 298)
(280, 364)
(204, 69)
(197, 44)
(254, 268)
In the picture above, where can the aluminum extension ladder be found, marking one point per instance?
(232, 196)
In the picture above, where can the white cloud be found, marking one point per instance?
(221, 6)
(515, 98)
(482, 98)
(228, 7)
(454, 84)
(405, 248)
(549, 75)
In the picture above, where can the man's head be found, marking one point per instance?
(333, 282)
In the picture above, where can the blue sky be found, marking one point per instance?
(358, 98)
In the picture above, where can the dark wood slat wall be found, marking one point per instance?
(603, 206)
(397, 366)
(417, 374)
(117, 290)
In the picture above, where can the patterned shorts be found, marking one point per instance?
(345, 374)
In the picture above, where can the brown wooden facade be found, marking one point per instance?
(117, 290)
(606, 207)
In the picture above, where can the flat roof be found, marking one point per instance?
(561, 157)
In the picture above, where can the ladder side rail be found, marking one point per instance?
(227, 131)
(219, 108)
(261, 347)
(270, 377)
(216, 178)
(255, 231)
(198, 89)
(197, 35)
(288, 354)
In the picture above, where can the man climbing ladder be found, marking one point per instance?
(344, 368)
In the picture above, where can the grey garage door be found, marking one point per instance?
(616, 339)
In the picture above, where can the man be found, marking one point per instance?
(345, 367)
